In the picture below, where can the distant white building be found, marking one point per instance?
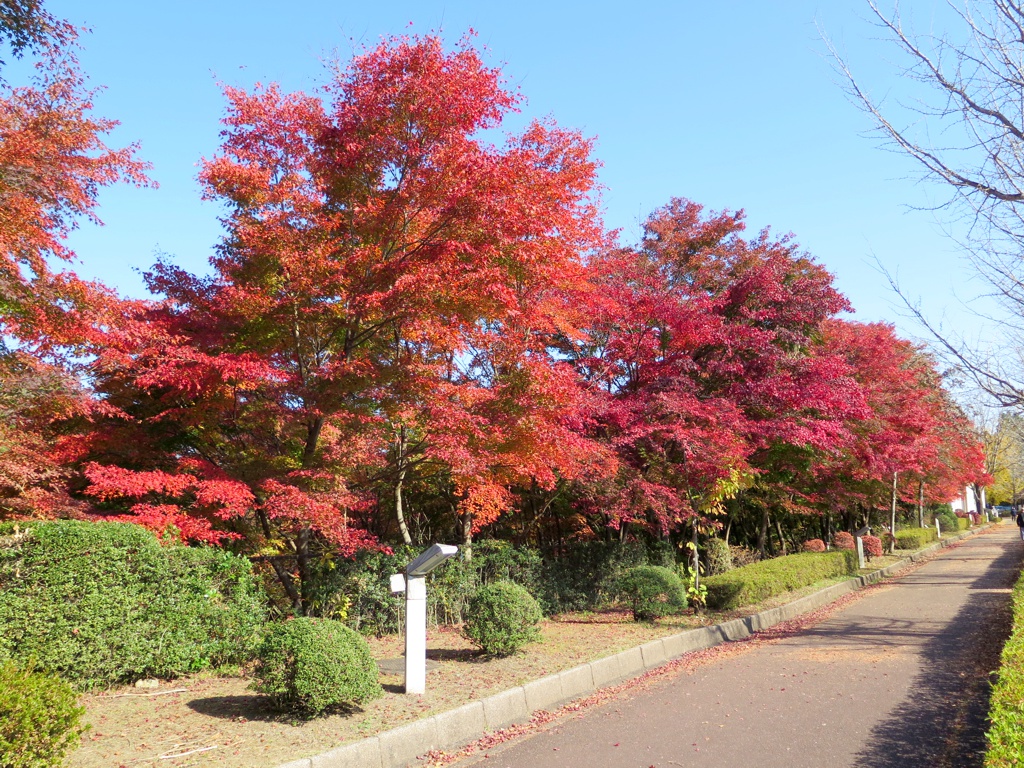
(966, 501)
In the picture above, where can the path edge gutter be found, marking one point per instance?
(457, 727)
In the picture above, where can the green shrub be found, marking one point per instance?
(103, 603)
(948, 520)
(583, 576)
(651, 591)
(962, 523)
(39, 718)
(1006, 705)
(768, 578)
(502, 618)
(914, 538)
(310, 665)
(717, 557)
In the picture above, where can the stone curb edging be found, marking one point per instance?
(401, 746)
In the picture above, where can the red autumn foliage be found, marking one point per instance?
(843, 540)
(814, 545)
(872, 546)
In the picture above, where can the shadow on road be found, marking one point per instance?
(943, 721)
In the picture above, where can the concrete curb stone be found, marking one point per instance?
(504, 709)
(400, 747)
(544, 693)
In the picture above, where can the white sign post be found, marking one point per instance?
(414, 584)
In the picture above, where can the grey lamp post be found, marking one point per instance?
(413, 583)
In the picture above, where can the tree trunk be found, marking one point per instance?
(467, 536)
(892, 516)
(762, 534)
(920, 504)
(302, 556)
(401, 447)
(782, 541)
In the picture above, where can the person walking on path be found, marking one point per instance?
(1020, 523)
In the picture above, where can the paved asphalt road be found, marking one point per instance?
(896, 679)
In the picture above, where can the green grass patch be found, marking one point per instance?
(768, 578)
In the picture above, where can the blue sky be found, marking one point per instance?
(731, 104)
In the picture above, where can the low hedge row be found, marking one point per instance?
(1006, 705)
(768, 578)
(915, 538)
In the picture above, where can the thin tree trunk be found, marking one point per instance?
(467, 536)
(892, 516)
(399, 482)
(302, 556)
(920, 504)
(762, 534)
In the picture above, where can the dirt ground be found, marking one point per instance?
(206, 720)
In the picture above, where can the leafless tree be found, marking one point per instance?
(966, 87)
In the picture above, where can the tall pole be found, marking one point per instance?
(892, 517)
(415, 634)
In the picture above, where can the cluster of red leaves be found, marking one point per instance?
(872, 546)
(843, 540)
(814, 545)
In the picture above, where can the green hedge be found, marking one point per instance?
(768, 578)
(962, 523)
(103, 603)
(1006, 705)
(915, 538)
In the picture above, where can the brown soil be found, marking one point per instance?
(206, 720)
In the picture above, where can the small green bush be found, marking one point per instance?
(717, 557)
(914, 538)
(103, 603)
(962, 523)
(39, 718)
(501, 618)
(948, 520)
(308, 665)
(651, 591)
(768, 578)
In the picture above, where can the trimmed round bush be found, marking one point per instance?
(102, 603)
(872, 546)
(307, 666)
(651, 591)
(717, 556)
(843, 540)
(501, 618)
(814, 545)
(39, 718)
